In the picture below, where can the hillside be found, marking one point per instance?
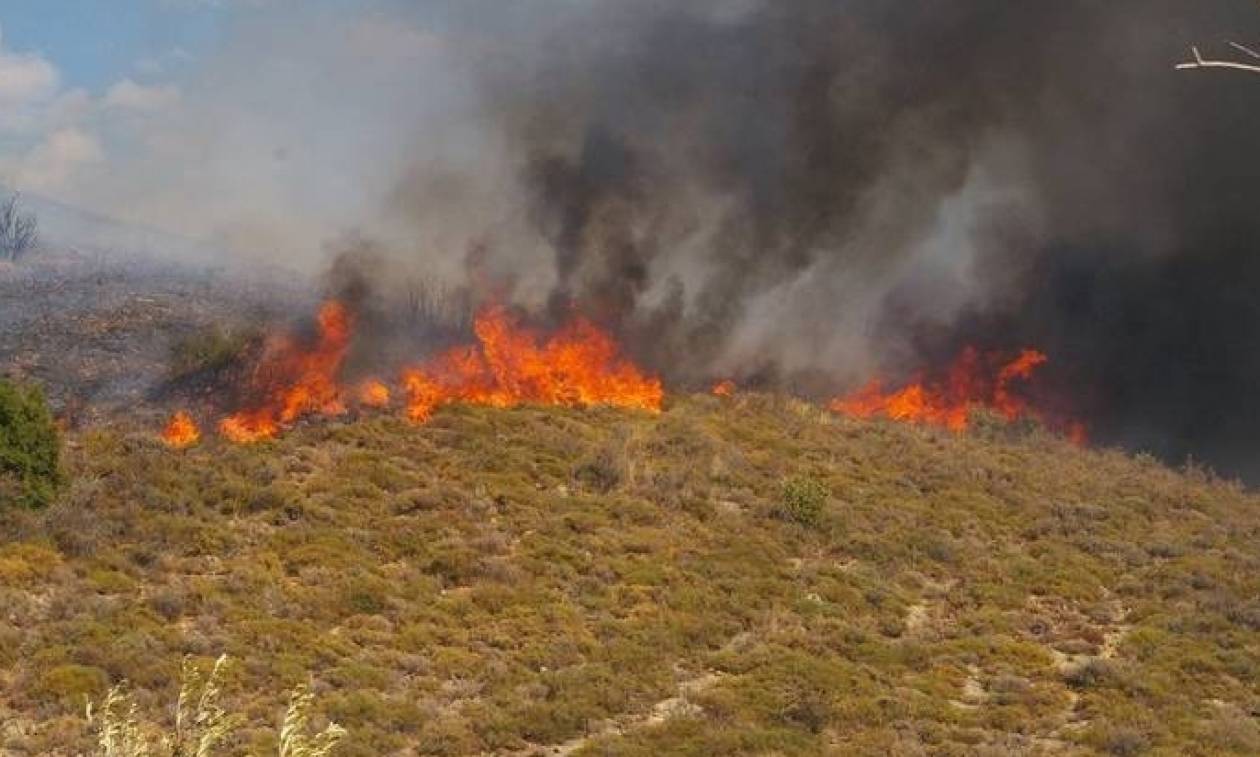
(97, 333)
(606, 582)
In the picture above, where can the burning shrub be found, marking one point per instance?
(295, 379)
(975, 383)
(511, 365)
(29, 447)
(296, 376)
(803, 499)
(181, 431)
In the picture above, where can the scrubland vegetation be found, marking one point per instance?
(210, 349)
(750, 575)
(202, 724)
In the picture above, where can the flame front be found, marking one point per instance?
(295, 379)
(181, 431)
(373, 393)
(578, 366)
(511, 365)
(968, 385)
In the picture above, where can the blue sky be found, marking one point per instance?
(261, 124)
(94, 43)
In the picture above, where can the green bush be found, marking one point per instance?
(70, 684)
(29, 447)
(803, 499)
(209, 350)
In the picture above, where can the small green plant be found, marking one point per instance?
(29, 447)
(803, 499)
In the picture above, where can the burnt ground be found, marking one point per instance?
(96, 331)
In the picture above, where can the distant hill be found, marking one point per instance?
(742, 576)
(66, 227)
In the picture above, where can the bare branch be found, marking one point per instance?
(19, 232)
(1201, 62)
(1245, 49)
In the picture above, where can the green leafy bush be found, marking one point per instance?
(803, 499)
(29, 447)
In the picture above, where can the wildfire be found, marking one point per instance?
(970, 383)
(373, 393)
(577, 366)
(181, 431)
(508, 365)
(511, 365)
(296, 379)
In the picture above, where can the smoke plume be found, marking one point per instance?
(794, 194)
(803, 192)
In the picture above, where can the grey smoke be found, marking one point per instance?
(792, 193)
(802, 192)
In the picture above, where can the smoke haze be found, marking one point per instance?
(779, 190)
(797, 193)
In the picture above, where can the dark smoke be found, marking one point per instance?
(790, 189)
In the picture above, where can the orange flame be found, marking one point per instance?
(724, 389)
(181, 431)
(511, 365)
(967, 386)
(373, 393)
(295, 380)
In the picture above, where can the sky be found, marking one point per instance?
(264, 126)
(95, 43)
(267, 128)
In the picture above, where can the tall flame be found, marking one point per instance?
(181, 431)
(511, 365)
(296, 379)
(969, 384)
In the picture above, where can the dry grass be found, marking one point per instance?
(202, 725)
(500, 581)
